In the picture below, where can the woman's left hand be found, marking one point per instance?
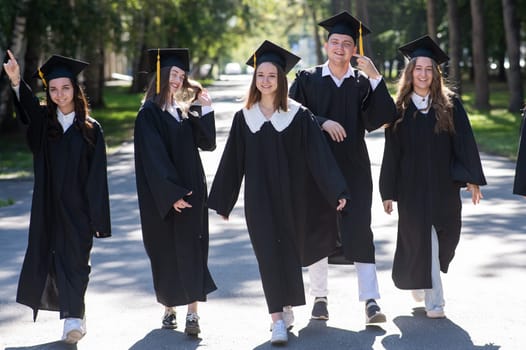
(476, 193)
(204, 98)
(341, 204)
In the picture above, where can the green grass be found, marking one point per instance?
(5, 203)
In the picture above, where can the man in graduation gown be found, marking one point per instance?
(346, 102)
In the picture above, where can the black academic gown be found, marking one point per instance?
(168, 167)
(70, 204)
(424, 171)
(519, 185)
(292, 187)
(357, 108)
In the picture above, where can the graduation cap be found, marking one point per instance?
(160, 58)
(424, 47)
(60, 67)
(270, 52)
(345, 23)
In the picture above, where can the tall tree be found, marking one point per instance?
(512, 30)
(341, 5)
(480, 66)
(362, 12)
(454, 75)
(431, 12)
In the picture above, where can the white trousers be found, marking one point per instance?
(367, 280)
(434, 297)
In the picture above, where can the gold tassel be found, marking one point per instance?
(41, 75)
(254, 61)
(158, 71)
(360, 40)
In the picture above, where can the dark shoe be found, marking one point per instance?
(169, 321)
(192, 325)
(373, 314)
(319, 309)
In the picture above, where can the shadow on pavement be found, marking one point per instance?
(166, 339)
(316, 335)
(57, 345)
(419, 332)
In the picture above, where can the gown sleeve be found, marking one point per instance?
(31, 114)
(321, 162)
(204, 130)
(390, 164)
(519, 184)
(227, 181)
(378, 107)
(466, 166)
(97, 187)
(160, 174)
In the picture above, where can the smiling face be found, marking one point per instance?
(177, 76)
(340, 48)
(61, 91)
(422, 75)
(267, 78)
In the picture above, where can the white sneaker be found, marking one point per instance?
(279, 333)
(74, 330)
(437, 312)
(288, 317)
(418, 295)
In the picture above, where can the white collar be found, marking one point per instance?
(422, 103)
(279, 120)
(66, 120)
(325, 71)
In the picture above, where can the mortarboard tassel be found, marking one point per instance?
(254, 60)
(360, 40)
(41, 75)
(158, 72)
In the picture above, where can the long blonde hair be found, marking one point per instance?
(441, 97)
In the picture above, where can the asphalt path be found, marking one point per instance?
(485, 300)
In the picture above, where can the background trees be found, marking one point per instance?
(483, 39)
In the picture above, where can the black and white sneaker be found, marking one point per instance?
(373, 314)
(192, 325)
(319, 309)
(169, 320)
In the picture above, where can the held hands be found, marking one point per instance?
(388, 206)
(367, 66)
(335, 130)
(181, 204)
(476, 193)
(12, 69)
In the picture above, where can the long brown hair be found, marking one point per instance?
(188, 93)
(281, 97)
(81, 122)
(441, 97)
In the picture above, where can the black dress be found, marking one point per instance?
(423, 171)
(292, 187)
(357, 108)
(167, 167)
(70, 204)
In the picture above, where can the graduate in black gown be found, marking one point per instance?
(519, 184)
(430, 154)
(347, 102)
(293, 187)
(171, 185)
(70, 196)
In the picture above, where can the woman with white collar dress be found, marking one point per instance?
(292, 184)
(70, 202)
(430, 154)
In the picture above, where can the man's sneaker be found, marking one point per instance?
(373, 314)
(192, 324)
(169, 320)
(437, 312)
(288, 317)
(319, 309)
(418, 295)
(74, 330)
(279, 333)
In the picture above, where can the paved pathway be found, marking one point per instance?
(484, 289)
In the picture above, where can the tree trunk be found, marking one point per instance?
(480, 61)
(140, 60)
(94, 75)
(316, 34)
(338, 6)
(454, 46)
(362, 13)
(512, 30)
(431, 19)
